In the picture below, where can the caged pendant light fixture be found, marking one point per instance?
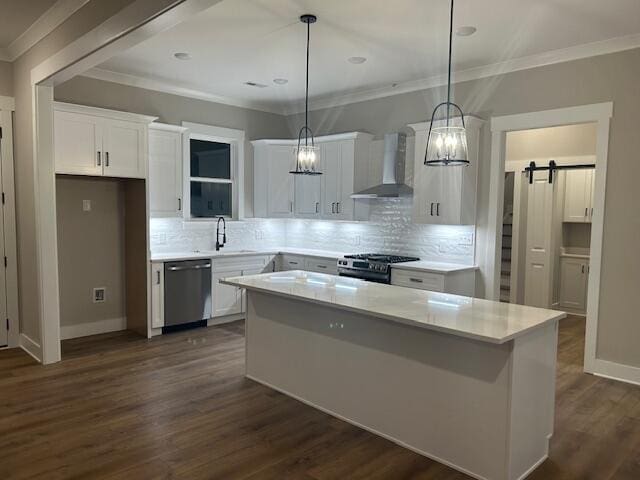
(307, 154)
(447, 145)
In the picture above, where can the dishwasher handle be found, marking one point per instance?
(191, 267)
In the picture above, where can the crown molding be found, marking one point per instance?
(4, 55)
(166, 87)
(43, 26)
(552, 57)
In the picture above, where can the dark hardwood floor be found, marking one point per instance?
(178, 406)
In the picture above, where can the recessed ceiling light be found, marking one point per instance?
(466, 31)
(280, 81)
(182, 56)
(356, 60)
(255, 84)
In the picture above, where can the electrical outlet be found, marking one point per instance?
(86, 205)
(466, 240)
(99, 294)
(356, 240)
(259, 235)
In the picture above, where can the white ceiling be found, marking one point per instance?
(18, 15)
(405, 42)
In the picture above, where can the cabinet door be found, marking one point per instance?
(157, 295)
(448, 208)
(332, 183)
(227, 299)
(307, 195)
(280, 181)
(577, 195)
(243, 293)
(344, 202)
(573, 283)
(125, 149)
(78, 144)
(165, 173)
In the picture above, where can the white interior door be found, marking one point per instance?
(4, 326)
(124, 149)
(78, 144)
(280, 181)
(539, 256)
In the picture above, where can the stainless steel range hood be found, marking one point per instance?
(393, 166)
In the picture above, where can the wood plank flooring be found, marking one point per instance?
(119, 406)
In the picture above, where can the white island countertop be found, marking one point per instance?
(479, 319)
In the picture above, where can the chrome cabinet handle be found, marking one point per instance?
(338, 207)
(438, 209)
(99, 161)
(293, 263)
(333, 207)
(321, 266)
(586, 211)
(431, 211)
(582, 268)
(416, 280)
(290, 206)
(317, 206)
(106, 159)
(592, 211)
(179, 204)
(158, 279)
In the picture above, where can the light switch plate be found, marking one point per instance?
(99, 295)
(466, 240)
(86, 205)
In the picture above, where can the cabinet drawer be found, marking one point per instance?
(420, 280)
(292, 262)
(321, 265)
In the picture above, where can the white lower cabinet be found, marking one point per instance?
(157, 295)
(574, 283)
(228, 300)
(458, 283)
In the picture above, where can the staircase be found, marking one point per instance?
(505, 267)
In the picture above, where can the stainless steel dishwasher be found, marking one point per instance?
(187, 293)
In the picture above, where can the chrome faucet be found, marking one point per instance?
(224, 233)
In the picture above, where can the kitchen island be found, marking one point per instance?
(467, 382)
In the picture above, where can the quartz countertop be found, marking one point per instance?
(420, 265)
(479, 319)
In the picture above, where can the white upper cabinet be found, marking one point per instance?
(165, 170)
(578, 195)
(78, 143)
(344, 166)
(95, 141)
(446, 195)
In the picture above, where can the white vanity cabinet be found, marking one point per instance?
(165, 170)
(100, 142)
(446, 195)
(574, 283)
(344, 166)
(578, 195)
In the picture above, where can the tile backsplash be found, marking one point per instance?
(389, 230)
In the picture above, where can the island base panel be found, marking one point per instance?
(485, 409)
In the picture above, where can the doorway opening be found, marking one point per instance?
(546, 230)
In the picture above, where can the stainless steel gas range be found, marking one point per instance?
(374, 267)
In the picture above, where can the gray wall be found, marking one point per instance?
(605, 78)
(174, 109)
(6, 79)
(90, 248)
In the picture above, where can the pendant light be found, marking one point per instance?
(307, 154)
(447, 145)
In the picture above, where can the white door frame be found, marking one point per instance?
(7, 107)
(135, 23)
(489, 245)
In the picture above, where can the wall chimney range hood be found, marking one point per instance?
(393, 166)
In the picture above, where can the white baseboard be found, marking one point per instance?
(30, 346)
(616, 371)
(92, 328)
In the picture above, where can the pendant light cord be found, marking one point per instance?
(450, 56)
(306, 95)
